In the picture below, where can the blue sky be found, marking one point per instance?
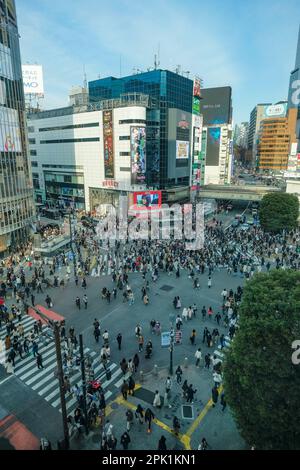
(248, 44)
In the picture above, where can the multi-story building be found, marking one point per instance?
(256, 116)
(276, 136)
(294, 91)
(16, 192)
(217, 144)
(91, 155)
(241, 135)
(169, 164)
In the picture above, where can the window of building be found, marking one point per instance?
(71, 126)
(132, 121)
(34, 164)
(31, 141)
(124, 154)
(124, 137)
(30, 129)
(33, 153)
(69, 141)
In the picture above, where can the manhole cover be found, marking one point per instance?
(187, 412)
(167, 288)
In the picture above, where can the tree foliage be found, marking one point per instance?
(279, 211)
(262, 384)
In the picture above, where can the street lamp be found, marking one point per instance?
(171, 350)
(71, 243)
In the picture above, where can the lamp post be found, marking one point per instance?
(171, 351)
(72, 248)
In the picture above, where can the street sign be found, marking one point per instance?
(165, 339)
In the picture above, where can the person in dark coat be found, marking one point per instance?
(124, 389)
(162, 443)
(190, 394)
(125, 440)
(149, 416)
(136, 361)
(39, 361)
(119, 340)
(214, 395)
(131, 385)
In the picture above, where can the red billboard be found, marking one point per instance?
(147, 199)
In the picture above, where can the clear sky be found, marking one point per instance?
(247, 44)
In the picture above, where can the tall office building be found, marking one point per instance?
(216, 108)
(256, 116)
(294, 90)
(275, 138)
(16, 192)
(169, 124)
(241, 134)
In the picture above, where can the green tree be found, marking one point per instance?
(279, 211)
(262, 384)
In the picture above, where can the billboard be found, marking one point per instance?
(182, 149)
(109, 172)
(216, 106)
(276, 110)
(197, 88)
(196, 106)
(213, 146)
(147, 199)
(10, 138)
(33, 79)
(138, 154)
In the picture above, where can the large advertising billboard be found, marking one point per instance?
(147, 199)
(109, 171)
(10, 138)
(276, 110)
(213, 146)
(33, 79)
(197, 87)
(196, 106)
(182, 149)
(216, 106)
(138, 154)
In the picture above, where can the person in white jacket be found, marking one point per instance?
(198, 356)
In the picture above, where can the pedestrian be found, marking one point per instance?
(139, 414)
(9, 366)
(119, 340)
(203, 311)
(141, 343)
(184, 389)
(214, 395)
(193, 337)
(77, 302)
(124, 389)
(97, 334)
(168, 385)
(209, 282)
(149, 416)
(207, 359)
(129, 419)
(125, 440)
(35, 348)
(131, 385)
(124, 366)
(223, 401)
(162, 443)
(198, 356)
(203, 444)
(157, 400)
(190, 394)
(178, 373)
(32, 300)
(105, 337)
(176, 425)
(39, 361)
(136, 362)
(85, 301)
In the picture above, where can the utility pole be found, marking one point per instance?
(83, 384)
(61, 383)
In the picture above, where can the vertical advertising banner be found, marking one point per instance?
(108, 145)
(138, 154)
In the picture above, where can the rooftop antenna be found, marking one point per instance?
(158, 55)
(84, 78)
(155, 62)
(178, 68)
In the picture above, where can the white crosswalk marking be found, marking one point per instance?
(44, 381)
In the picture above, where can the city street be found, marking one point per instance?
(43, 417)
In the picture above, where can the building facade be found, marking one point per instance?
(217, 138)
(90, 156)
(170, 164)
(241, 135)
(16, 191)
(276, 135)
(294, 91)
(256, 116)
